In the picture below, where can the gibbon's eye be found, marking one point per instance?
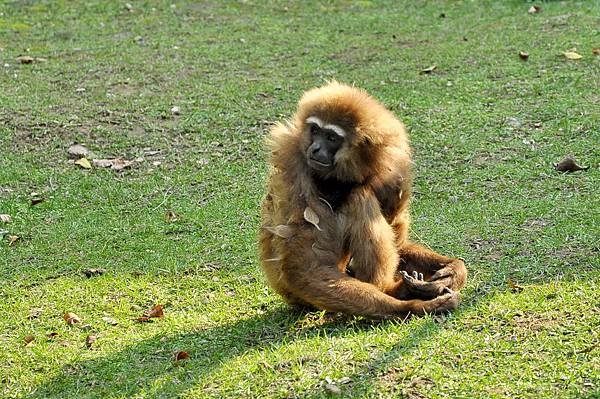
(332, 137)
(314, 129)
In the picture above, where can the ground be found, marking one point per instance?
(178, 227)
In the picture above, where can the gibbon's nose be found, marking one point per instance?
(316, 148)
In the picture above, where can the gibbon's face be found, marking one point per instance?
(325, 141)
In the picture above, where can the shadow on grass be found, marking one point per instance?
(148, 369)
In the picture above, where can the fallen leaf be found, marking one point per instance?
(568, 164)
(94, 272)
(534, 9)
(5, 218)
(311, 217)
(12, 240)
(128, 7)
(77, 151)
(34, 313)
(25, 59)
(28, 339)
(429, 70)
(588, 349)
(110, 320)
(181, 355)
(596, 51)
(333, 389)
(514, 286)
(283, 231)
(156, 311)
(170, 217)
(176, 110)
(114, 164)
(144, 319)
(35, 198)
(89, 341)
(523, 55)
(419, 381)
(84, 163)
(52, 335)
(571, 55)
(71, 318)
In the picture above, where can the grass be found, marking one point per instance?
(486, 127)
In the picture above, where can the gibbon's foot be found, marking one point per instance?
(443, 303)
(417, 287)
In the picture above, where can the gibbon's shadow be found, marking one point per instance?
(138, 369)
(135, 369)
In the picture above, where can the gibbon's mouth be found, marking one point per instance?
(318, 164)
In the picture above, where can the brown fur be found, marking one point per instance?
(306, 264)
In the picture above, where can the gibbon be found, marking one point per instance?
(334, 228)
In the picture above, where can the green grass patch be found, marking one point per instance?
(486, 128)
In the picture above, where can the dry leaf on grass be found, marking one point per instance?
(568, 164)
(25, 59)
(110, 320)
(596, 51)
(176, 110)
(34, 313)
(156, 311)
(333, 389)
(181, 355)
(35, 198)
(5, 218)
(84, 163)
(523, 55)
(93, 272)
(89, 341)
(12, 240)
(429, 70)
(514, 286)
(114, 164)
(534, 9)
(170, 217)
(52, 335)
(71, 318)
(28, 339)
(572, 55)
(311, 217)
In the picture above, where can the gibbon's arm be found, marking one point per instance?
(371, 240)
(314, 278)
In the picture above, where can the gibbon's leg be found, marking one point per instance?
(318, 282)
(426, 274)
(310, 269)
(371, 240)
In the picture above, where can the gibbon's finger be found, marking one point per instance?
(442, 273)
